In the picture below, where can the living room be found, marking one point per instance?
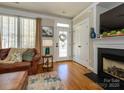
(47, 46)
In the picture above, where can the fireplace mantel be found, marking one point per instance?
(109, 42)
(119, 40)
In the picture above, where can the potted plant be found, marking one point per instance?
(122, 31)
(113, 33)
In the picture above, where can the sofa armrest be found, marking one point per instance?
(36, 58)
(19, 66)
(34, 63)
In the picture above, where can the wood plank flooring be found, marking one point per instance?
(72, 75)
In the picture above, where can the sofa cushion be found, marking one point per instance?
(28, 55)
(4, 53)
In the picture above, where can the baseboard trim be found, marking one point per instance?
(64, 61)
(90, 68)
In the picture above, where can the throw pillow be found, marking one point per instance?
(16, 57)
(4, 53)
(28, 55)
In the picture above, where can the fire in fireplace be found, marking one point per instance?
(114, 68)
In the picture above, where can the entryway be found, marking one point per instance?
(62, 42)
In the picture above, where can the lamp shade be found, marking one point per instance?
(47, 43)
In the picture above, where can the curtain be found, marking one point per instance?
(0, 41)
(38, 35)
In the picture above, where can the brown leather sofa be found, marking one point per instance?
(31, 67)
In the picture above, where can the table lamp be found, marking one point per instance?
(47, 44)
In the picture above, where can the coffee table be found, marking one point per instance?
(14, 80)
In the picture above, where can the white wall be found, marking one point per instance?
(88, 13)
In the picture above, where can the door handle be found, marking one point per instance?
(57, 45)
(79, 46)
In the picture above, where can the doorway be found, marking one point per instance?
(62, 42)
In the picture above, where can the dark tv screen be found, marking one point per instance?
(112, 19)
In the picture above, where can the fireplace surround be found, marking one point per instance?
(111, 66)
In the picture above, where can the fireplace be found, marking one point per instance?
(111, 65)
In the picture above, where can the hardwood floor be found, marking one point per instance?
(72, 75)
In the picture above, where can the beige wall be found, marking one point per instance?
(48, 22)
(88, 14)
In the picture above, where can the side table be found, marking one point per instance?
(47, 62)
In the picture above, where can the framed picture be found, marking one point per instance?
(47, 31)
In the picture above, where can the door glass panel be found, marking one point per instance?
(62, 25)
(62, 44)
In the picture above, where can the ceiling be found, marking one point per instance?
(60, 9)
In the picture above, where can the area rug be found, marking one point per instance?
(45, 81)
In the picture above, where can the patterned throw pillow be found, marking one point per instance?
(16, 57)
(28, 55)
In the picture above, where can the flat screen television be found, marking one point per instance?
(112, 19)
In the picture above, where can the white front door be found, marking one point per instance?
(62, 42)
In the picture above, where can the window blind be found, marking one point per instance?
(17, 32)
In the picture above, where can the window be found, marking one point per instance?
(17, 32)
(8, 28)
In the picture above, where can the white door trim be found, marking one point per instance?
(56, 41)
